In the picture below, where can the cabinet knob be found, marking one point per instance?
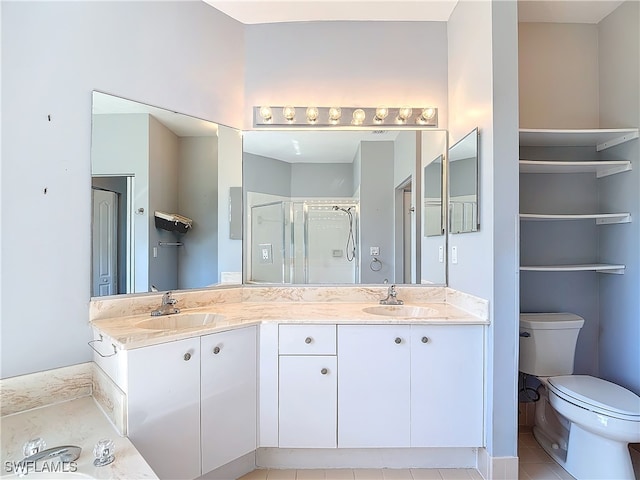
(425, 339)
(308, 340)
(324, 371)
(187, 357)
(398, 340)
(216, 350)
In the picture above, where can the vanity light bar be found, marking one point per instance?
(288, 115)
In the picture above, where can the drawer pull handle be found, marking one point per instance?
(308, 340)
(216, 350)
(187, 357)
(425, 339)
(398, 340)
(324, 371)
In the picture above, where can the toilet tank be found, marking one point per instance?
(548, 343)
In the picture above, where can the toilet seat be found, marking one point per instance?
(598, 395)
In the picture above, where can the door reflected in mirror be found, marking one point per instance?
(342, 206)
(463, 185)
(145, 160)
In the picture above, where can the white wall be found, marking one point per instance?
(347, 64)
(53, 55)
(483, 79)
(558, 77)
(120, 146)
(229, 175)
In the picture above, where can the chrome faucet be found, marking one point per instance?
(392, 297)
(64, 454)
(167, 307)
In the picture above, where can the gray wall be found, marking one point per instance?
(606, 95)
(163, 197)
(265, 175)
(377, 209)
(619, 100)
(321, 180)
(53, 55)
(198, 200)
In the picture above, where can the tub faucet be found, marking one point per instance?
(167, 307)
(392, 297)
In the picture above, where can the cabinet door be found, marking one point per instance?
(373, 386)
(447, 398)
(228, 396)
(164, 407)
(307, 401)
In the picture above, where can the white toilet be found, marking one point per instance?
(584, 423)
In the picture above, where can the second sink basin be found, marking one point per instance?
(179, 321)
(401, 311)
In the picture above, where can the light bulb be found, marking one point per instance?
(289, 113)
(265, 113)
(404, 113)
(381, 114)
(427, 114)
(334, 114)
(358, 117)
(312, 114)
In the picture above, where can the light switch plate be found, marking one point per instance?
(454, 254)
(374, 251)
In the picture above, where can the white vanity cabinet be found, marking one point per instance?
(228, 396)
(374, 386)
(192, 404)
(164, 406)
(307, 386)
(447, 394)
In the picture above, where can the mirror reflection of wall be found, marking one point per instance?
(335, 206)
(463, 185)
(147, 159)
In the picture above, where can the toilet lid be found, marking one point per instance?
(609, 398)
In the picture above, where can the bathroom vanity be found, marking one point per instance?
(277, 383)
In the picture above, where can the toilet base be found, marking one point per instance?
(591, 456)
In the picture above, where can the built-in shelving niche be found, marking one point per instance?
(600, 139)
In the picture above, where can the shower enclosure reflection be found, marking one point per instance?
(304, 241)
(334, 206)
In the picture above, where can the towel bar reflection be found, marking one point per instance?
(170, 244)
(101, 339)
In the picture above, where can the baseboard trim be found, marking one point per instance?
(303, 458)
(497, 468)
(234, 469)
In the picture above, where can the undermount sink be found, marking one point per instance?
(179, 321)
(400, 311)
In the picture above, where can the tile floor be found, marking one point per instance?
(534, 464)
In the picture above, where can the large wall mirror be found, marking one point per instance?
(464, 185)
(146, 160)
(344, 206)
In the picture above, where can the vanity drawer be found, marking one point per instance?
(307, 340)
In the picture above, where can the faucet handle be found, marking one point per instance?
(33, 446)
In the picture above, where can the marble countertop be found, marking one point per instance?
(125, 333)
(77, 422)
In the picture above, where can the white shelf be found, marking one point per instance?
(590, 267)
(600, 168)
(600, 218)
(601, 138)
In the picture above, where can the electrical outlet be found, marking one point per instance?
(265, 253)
